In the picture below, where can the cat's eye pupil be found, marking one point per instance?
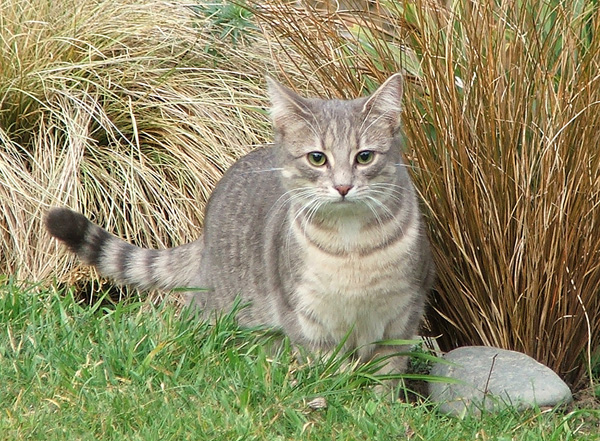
(365, 157)
(317, 158)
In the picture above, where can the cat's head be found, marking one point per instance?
(339, 151)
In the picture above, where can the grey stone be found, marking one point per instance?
(492, 379)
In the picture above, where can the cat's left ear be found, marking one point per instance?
(386, 101)
(286, 105)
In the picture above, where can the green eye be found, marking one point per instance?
(317, 159)
(365, 157)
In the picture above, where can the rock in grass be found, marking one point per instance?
(492, 379)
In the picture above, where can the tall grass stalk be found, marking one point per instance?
(501, 121)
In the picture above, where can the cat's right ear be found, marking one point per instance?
(386, 101)
(287, 107)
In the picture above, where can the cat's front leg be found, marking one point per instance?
(322, 343)
(394, 364)
(395, 348)
(314, 336)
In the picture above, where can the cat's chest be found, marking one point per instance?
(354, 276)
(353, 279)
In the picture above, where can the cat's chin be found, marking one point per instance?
(344, 206)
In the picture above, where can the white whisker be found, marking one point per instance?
(267, 170)
(383, 208)
(303, 200)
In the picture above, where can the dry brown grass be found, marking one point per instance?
(128, 111)
(502, 125)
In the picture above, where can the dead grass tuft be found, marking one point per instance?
(127, 111)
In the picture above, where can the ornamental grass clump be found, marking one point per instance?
(118, 109)
(502, 126)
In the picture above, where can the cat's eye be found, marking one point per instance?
(317, 159)
(365, 157)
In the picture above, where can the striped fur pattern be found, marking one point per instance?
(320, 235)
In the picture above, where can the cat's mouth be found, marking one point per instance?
(342, 194)
(342, 200)
(346, 201)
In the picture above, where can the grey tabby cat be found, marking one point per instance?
(321, 234)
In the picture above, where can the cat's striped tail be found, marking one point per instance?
(125, 263)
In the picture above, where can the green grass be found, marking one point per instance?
(127, 371)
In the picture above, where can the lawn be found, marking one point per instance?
(133, 371)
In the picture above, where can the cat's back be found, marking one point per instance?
(238, 228)
(246, 192)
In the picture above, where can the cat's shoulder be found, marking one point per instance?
(261, 165)
(258, 157)
(260, 161)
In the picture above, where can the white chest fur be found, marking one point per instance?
(361, 286)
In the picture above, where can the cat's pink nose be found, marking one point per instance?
(343, 189)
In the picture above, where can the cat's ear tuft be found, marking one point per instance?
(386, 101)
(286, 105)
